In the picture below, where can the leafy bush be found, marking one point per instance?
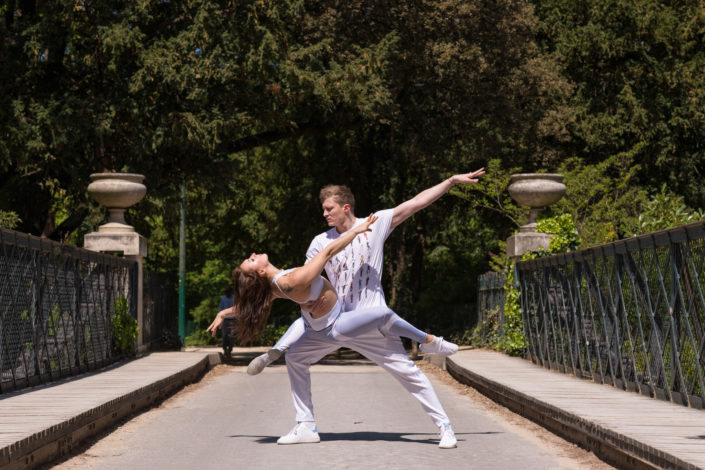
(201, 337)
(462, 337)
(9, 219)
(124, 328)
(207, 284)
(269, 336)
(486, 333)
(272, 334)
(604, 199)
(205, 312)
(565, 233)
(512, 339)
(665, 210)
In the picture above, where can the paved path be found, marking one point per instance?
(670, 435)
(41, 422)
(631, 430)
(365, 419)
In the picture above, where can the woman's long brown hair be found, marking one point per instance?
(253, 304)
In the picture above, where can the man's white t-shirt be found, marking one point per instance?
(356, 272)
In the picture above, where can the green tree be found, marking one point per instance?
(665, 210)
(256, 105)
(637, 70)
(604, 199)
(167, 89)
(462, 79)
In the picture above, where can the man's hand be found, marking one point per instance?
(467, 177)
(406, 209)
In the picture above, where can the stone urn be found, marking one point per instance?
(536, 190)
(117, 192)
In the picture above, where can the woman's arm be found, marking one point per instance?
(218, 321)
(309, 271)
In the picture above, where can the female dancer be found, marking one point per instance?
(257, 283)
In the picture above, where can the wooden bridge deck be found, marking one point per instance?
(42, 423)
(600, 417)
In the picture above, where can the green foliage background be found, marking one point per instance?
(257, 104)
(123, 328)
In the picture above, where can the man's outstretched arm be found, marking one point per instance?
(428, 196)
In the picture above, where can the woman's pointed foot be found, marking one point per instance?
(258, 364)
(439, 346)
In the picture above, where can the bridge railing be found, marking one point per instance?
(160, 307)
(56, 302)
(490, 296)
(629, 313)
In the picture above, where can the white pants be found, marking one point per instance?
(348, 325)
(386, 351)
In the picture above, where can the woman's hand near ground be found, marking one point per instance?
(218, 321)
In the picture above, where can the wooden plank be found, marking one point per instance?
(29, 412)
(670, 428)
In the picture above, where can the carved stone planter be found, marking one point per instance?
(538, 191)
(117, 192)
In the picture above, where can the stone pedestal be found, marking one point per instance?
(525, 241)
(129, 244)
(134, 247)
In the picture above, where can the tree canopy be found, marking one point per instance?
(637, 71)
(257, 104)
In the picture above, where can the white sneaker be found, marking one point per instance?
(258, 364)
(301, 434)
(448, 440)
(439, 346)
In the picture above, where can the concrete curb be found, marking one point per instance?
(436, 359)
(60, 439)
(608, 445)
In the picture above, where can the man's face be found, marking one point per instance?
(334, 213)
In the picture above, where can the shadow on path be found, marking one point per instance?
(370, 436)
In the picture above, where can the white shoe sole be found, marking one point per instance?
(308, 440)
(257, 364)
(447, 446)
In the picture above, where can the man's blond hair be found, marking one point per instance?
(341, 194)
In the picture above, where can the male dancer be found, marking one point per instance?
(356, 274)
